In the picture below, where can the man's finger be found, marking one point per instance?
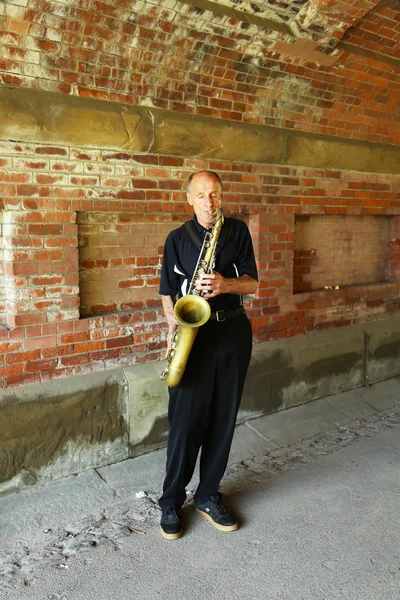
(207, 276)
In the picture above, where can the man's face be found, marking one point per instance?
(205, 196)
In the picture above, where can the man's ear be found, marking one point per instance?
(189, 199)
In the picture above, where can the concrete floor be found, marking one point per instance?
(316, 489)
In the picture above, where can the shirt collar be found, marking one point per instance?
(197, 225)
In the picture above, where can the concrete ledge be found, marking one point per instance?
(296, 370)
(46, 117)
(61, 427)
(68, 426)
(148, 406)
(382, 349)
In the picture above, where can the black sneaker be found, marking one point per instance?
(214, 511)
(171, 524)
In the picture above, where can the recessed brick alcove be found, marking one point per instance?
(340, 250)
(119, 261)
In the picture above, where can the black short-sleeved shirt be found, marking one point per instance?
(235, 258)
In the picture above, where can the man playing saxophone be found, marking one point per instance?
(203, 406)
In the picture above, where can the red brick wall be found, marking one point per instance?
(378, 30)
(50, 201)
(82, 229)
(181, 60)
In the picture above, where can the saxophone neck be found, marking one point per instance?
(218, 222)
(207, 256)
(218, 215)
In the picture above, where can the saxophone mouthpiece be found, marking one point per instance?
(217, 214)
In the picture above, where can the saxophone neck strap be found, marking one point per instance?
(224, 236)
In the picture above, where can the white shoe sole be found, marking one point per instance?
(171, 536)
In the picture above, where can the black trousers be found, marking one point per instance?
(203, 408)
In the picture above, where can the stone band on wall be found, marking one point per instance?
(44, 117)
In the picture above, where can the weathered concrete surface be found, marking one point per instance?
(74, 496)
(192, 136)
(382, 350)
(148, 403)
(46, 117)
(58, 428)
(293, 371)
(333, 152)
(36, 116)
(316, 517)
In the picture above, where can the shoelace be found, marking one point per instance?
(170, 513)
(218, 506)
(215, 499)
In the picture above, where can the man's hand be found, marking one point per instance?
(213, 284)
(168, 303)
(172, 327)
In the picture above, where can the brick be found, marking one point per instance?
(88, 346)
(22, 379)
(25, 268)
(40, 342)
(45, 230)
(82, 336)
(40, 365)
(373, 303)
(30, 319)
(119, 342)
(46, 150)
(77, 359)
(22, 357)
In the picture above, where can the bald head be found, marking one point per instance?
(211, 174)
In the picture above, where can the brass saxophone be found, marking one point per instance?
(192, 311)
